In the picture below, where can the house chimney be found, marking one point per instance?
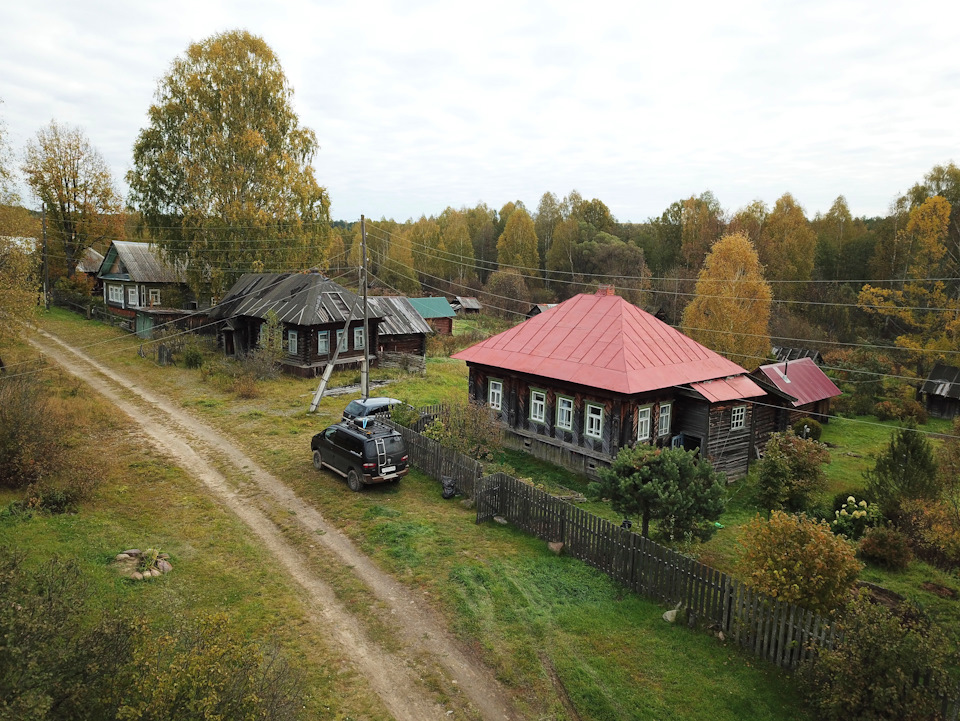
(605, 290)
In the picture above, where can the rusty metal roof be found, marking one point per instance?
(297, 298)
(399, 317)
(604, 342)
(728, 389)
(801, 378)
(943, 381)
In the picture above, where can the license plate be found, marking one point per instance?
(388, 469)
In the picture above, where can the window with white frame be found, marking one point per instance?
(738, 417)
(593, 421)
(358, 337)
(643, 423)
(538, 406)
(323, 342)
(132, 297)
(495, 394)
(115, 293)
(154, 296)
(292, 337)
(340, 343)
(663, 427)
(565, 413)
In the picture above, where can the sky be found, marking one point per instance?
(418, 106)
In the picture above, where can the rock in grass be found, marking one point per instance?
(136, 576)
(501, 520)
(556, 547)
(164, 565)
(122, 557)
(670, 616)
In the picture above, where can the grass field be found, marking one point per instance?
(540, 621)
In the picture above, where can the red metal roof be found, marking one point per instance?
(728, 389)
(604, 342)
(801, 378)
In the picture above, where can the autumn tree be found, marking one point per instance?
(787, 246)
(730, 312)
(750, 220)
(482, 224)
(429, 254)
(455, 236)
(517, 246)
(72, 180)
(397, 269)
(561, 258)
(701, 225)
(922, 314)
(671, 485)
(506, 294)
(222, 174)
(549, 215)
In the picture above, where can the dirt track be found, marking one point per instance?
(395, 676)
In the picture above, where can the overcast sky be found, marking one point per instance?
(418, 106)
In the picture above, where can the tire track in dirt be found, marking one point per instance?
(197, 446)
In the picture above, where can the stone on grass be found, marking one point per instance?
(134, 552)
(670, 616)
(164, 565)
(556, 547)
(122, 557)
(501, 520)
(136, 576)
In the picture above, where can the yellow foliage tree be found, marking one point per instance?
(731, 311)
(788, 245)
(922, 312)
(517, 246)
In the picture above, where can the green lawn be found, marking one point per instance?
(540, 621)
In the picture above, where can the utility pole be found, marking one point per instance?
(46, 264)
(365, 370)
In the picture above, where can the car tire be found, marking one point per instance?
(353, 481)
(317, 461)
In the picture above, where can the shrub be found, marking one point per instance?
(886, 666)
(886, 411)
(905, 470)
(934, 530)
(901, 410)
(800, 560)
(32, 433)
(914, 411)
(261, 364)
(791, 472)
(853, 518)
(886, 547)
(192, 357)
(469, 428)
(245, 386)
(808, 428)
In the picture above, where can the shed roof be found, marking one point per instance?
(943, 381)
(604, 342)
(728, 389)
(297, 298)
(801, 378)
(399, 316)
(433, 307)
(785, 353)
(468, 302)
(90, 262)
(140, 262)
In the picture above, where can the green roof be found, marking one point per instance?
(433, 307)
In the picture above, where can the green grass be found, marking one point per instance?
(525, 611)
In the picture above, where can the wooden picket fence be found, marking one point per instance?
(782, 633)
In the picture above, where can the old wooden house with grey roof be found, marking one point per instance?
(403, 329)
(579, 381)
(313, 311)
(138, 284)
(941, 391)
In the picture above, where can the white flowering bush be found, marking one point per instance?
(855, 517)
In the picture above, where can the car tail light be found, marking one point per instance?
(369, 466)
(403, 459)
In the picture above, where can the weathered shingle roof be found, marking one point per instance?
(605, 342)
(399, 316)
(433, 307)
(468, 302)
(140, 262)
(90, 262)
(785, 353)
(943, 381)
(801, 378)
(297, 298)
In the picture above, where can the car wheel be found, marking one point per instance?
(353, 481)
(317, 461)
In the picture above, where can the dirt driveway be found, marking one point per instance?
(469, 689)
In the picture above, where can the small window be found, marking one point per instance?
(116, 293)
(132, 296)
(738, 417)
(292, 336)
(341, 345)
(664, 426)
(358, 338)
(154, 296)
(594, 421)
(565, 413)
(538, 406)
(495, 395)
(323, 342)
(643, 423)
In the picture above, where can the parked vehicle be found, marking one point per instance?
(362, 408)
(363, 451)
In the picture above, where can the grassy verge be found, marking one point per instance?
(540, 621)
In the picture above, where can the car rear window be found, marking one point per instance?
(355, 408)
(391, 444)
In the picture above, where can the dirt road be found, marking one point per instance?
(470, 691)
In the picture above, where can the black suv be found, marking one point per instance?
(363, 452)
